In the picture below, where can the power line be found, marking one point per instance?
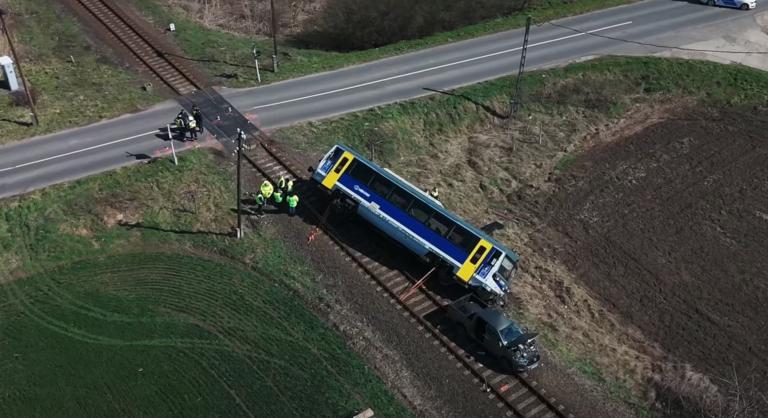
(630, 41)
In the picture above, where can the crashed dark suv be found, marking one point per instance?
(514, 347)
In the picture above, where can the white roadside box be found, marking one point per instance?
(9, 73)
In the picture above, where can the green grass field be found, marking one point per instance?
(74, 81)
(163, 334)
(169, 317)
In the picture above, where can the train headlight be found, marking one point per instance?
(501, 283)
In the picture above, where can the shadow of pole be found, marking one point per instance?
(488, 109)
(17, 122)
(139, 225)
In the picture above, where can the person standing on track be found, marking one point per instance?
(181, 124)
(192, 127)
(289, 187)
(179, 121)
(198, 117)
(281, 183)
(278, 198)
(293, 201)
(267, 189)
(259, 200)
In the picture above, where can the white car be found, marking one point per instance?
(738, 4)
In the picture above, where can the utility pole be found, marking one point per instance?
(240, 135)
(18, 63)
(515, 102)
(274, 35)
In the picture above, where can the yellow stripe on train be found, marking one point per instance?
(333, 176)
(473, 261)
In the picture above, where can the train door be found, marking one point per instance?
(473, 261)
(338, 169)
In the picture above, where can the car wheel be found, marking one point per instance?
(744, 6)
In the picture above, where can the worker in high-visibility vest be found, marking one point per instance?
(267, 189)
(293, 201)
(289, 187)
(259, 200)
(281, 183)
(198, 118)
(192, 127)
(278, 197)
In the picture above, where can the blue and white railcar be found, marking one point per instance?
(417, 221)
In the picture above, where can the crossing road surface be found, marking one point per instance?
(72, 154)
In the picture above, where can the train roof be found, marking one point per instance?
(430, 202)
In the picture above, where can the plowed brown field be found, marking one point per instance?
(669, 227)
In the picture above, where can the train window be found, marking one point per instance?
(381, 185)
(340, 165)
(400, 198)
(361, 172)
(420, 211)
(439, 224)
(479, 253)
(462, 238)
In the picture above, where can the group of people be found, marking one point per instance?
(189, 124)
(283, 193)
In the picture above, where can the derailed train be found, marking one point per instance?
(419, 222)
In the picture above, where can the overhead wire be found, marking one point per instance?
(630, 41)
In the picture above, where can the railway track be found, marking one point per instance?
(159, 64)
(519, 395)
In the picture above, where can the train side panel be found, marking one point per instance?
(398, 219)
(474, 257)
(399, 235)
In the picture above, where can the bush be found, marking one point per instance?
(346, 25)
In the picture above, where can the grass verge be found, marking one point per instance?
(604, 87)
(585, 367)
(74, 82)
(228, 56)
(123, 294)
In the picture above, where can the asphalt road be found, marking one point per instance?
(76, 153)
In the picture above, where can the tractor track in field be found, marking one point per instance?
(520, 394)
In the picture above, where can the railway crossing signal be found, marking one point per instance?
(239, 150)
(256, 55)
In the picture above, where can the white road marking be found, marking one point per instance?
(450, 64)
(77, 151)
